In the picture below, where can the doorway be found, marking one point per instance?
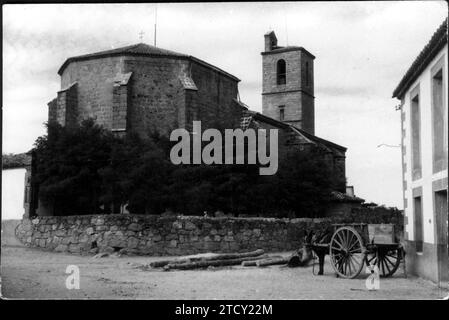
(442, 238)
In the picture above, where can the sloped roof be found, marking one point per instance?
(436, 43)
(188, 83)
(321, 140)
(249, 116)
(141, 49)
(122, 78)
(245, 122)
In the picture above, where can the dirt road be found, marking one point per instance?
(35, 274)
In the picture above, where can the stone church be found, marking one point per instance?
(143, 88)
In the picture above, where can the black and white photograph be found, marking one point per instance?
(227, 151)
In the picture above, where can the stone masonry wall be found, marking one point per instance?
(120, 106)
(293, 108)
(155, 88)
(296, 95)
(213, 103)
(66, 106)
(95, 80)
(52, 110)
(154, 99)
(158, 235)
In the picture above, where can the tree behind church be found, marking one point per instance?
(87, 170)
(68, 167)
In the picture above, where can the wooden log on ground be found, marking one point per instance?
(253, 263)
(223, 256)
(249, 263)
(185, 259)
(270, 262)
(205, 264)
(161, 263)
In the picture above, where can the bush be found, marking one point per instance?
(68, 167)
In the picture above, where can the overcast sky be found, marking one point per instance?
(362, 50)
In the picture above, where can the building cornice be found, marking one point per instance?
(287, 49)
(288, 91)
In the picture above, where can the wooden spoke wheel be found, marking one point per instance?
(387, 260)
(347, 252)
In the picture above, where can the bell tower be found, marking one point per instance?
(287, 86)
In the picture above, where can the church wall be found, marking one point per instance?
(95, 84)
(52, 110)
(180, 100)
(299, 108)
(288, 139)
(120, 99)
(292, 107)
(336, 164)
(308, 112)
(213, 103)
(66, 109)
(284, 138)
(157, 96)
(340, 172)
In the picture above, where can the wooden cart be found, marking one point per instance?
(352, 246)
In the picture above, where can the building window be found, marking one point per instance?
(416, 136)
(281, 72)
(281, 113)
(418, 223)
(307, 74)
(438, 116)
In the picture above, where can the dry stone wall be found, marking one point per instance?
(159, 235)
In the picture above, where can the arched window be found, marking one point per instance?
(281, 72)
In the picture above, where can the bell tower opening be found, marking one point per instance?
(281, 72)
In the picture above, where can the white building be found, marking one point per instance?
(423, 92)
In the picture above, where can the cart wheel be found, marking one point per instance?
(347, 252)
(386, 259)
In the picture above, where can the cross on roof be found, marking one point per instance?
(141, 33)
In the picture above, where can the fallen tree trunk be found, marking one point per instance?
(270, 262)
(253, 263)
(223, 256)
(205, 264)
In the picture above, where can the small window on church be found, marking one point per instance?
(281, 72)
(281, 113)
